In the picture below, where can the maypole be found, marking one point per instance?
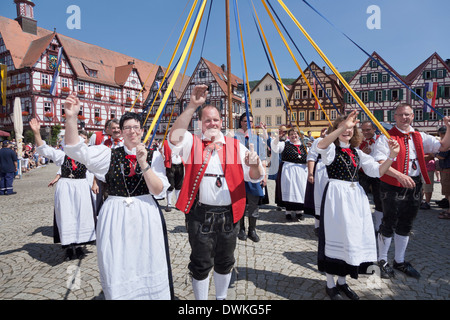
(230, 97)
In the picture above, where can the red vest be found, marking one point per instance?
(99, 137)
(167, 155)
(364, 143)
(402, 162)
(194, 172)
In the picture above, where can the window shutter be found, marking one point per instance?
(400, 94)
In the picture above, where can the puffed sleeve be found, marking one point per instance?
(95, 158)
(313, 153)
(369, 165)
(328, 154)
(56, 155)
(277, 146)
(160, 170)
(242, 152)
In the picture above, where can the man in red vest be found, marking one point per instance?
(401, 187)
(369, 184)
(213, 193)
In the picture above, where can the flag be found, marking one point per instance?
(56, 74)
(3, 85)
(430, 96)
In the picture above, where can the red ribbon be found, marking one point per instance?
(132, 159)
(74, 165)
(350, 153)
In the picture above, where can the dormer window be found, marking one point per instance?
(90, 72)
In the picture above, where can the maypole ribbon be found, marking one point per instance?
(303, 57)
(295, 60)
(177, 70)
(243, 66)
(373, 59)
(173, 55)
(327, 61)
(157, 59)
(278, 74)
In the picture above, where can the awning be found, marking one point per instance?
(4, 134)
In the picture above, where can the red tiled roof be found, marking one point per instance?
(112, 67)
(417, 71)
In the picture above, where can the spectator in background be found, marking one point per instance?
(8, 167)
(428, 188)
(444, 165)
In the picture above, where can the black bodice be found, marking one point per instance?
(73, 169)
(291, 154)
(342, 167)
(118, 174)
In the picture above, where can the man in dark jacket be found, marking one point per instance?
(8, 166)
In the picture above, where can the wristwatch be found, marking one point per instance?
(146, 169)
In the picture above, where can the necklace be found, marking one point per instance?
(129, 200)
(349, 172)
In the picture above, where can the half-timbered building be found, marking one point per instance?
(108, 83)
(306, 112)
(430, 80)
(216, 79)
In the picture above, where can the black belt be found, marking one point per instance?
(217, 176)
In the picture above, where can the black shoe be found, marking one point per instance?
(333, 293)
(424, 206)
(241, 235)
(316, 232)
(69, 254)
(407, 269)
(443, 201)
(289, 217)
(386, 272)
(168, 209)
(300, 216)
(253, 236)
(444, 205)
(347, 291)
(80, 253)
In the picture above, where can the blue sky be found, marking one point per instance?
(411, 30)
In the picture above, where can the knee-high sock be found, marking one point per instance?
(221, 282)
(201, 288)
(169, 198)
(377, 216)
(400, 242)
(330, 281)
(383, 247)
(177, 194)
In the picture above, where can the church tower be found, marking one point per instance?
(25, 16)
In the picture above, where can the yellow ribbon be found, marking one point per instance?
(346, 85)
(177, 70)
(278, 74)
(173, 57)
(295, 60)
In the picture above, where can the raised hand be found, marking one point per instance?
(35, 126)
(141, 155)
(251, 157)
(350, 121)
(72, 106)
(394, 148)
(199, 95)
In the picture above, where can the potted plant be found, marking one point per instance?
(81, 93)
(98, 95)
(45, 87)
(65, 90)
(98, 119)
(48, 114)
(13, 87)
(81, 117)
(112, 98)
(21, 85)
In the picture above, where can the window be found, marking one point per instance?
(427, 74)
(293, 116)
(333, 115)
(258, 119)
(432, 116)
(384, 78)
(279, 102)
(47, 107)
(45, 79)
(113, 114)
(440, 73)
(365, 96)
(258, 103)
(301, 116)
(97, 112)
(97, 88)
(278, 120)
(418, 115)
(446, 92)
(269, 120)
(268, 87)
(320, 93)
(329, 92)
(373, 64)
(305, 94)
(312, 115)
(80, 86)
(363, 79)
(322, 116)
(379, 96)
(202, 74)
(395, 95)
(64, 82)
(374, 77)
(268, 102)
(297, 94)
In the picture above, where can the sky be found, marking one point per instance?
(403, 32)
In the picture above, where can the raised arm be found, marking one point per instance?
(198, 97)
(36, 128)
(71, 108)
(348, 123)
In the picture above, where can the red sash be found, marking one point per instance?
(195, 170)
(402, 162)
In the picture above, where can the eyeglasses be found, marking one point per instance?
(135, 128)
(404, 114)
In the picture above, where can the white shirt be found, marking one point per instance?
(209, 193)
(97, 160)
(430, 145)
